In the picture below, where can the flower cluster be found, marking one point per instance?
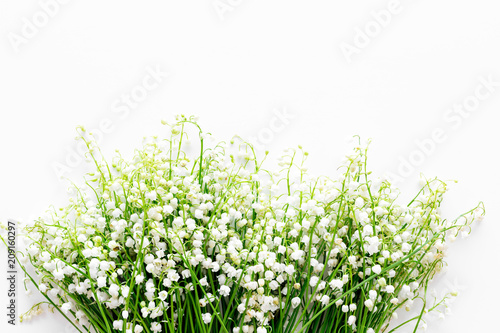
(172, 241)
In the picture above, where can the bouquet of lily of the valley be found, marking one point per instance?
(211, 241)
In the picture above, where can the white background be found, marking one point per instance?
(237, 69)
